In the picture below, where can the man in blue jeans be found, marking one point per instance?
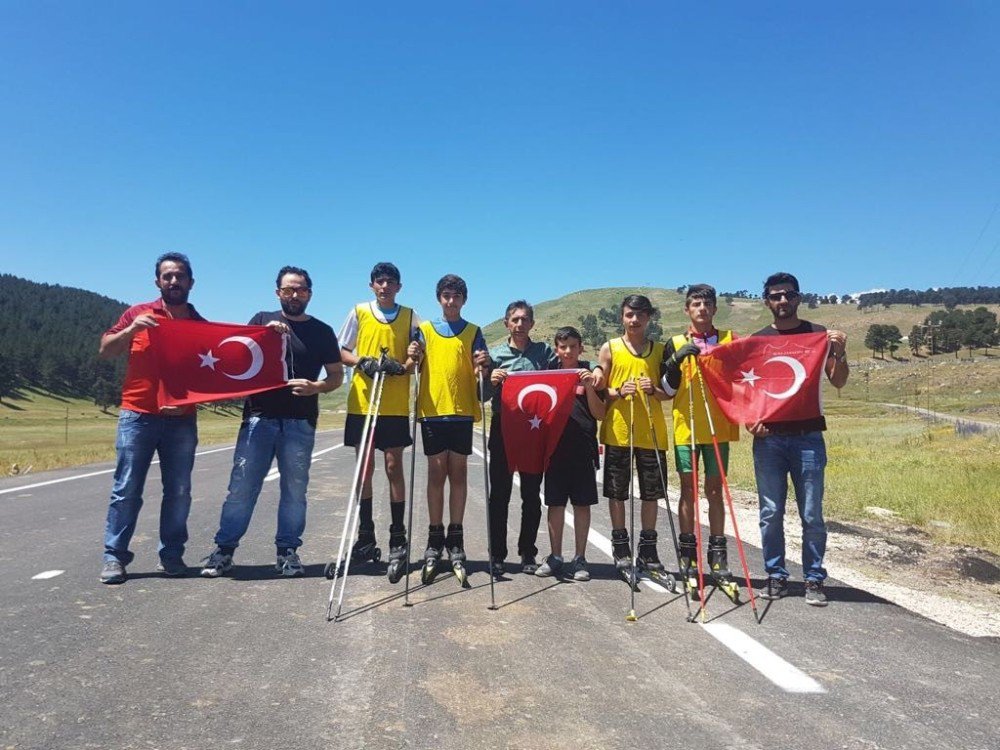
(280, 423)
(144, 429)
(796, 449)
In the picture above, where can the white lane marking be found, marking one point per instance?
(786, 676)
(47, 574)
(274, 474)
(780, 672)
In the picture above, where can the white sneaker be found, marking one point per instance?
(289, 565)
(217, 564)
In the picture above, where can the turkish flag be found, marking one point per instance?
(535, 407)
(767, 378)
(198, 361)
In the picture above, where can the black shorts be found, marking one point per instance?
(390, 432)
(451, 436)
(574, 481)
(617, 474)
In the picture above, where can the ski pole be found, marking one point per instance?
(630, 617)
(694, 488)
(663, 485)
(729, 497)
(486, 485)
(413, 468)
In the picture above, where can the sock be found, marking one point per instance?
(366, 514)
(397, 510)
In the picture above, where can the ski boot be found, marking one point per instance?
(398, 553)
(364, 550)
(718, 566)
(689, 564)
(435, 544)
(456, 553)
(648, 562)
(621, 550)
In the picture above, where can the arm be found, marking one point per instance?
(117, 342)
(594, 401)
(604, 362)
(837, 369)
(333, 380)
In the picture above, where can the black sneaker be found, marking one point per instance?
(528, 564)
(113, 572)
(172, 568)
(776, 588)
(815, 594)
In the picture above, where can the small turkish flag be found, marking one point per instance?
(198, 361)
(535, 408)
(767, 378)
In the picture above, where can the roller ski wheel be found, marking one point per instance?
(662, 577)
(461, 574)
(432, 555)
(429, 572)
(648, 561)
(621, 551)
(365, 552)
(397, 554)
(727, 586)
(455, 542)
(626, 575)
(331, 570)
(718, 567)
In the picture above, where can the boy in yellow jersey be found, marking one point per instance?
(702, 336)
(630, 364)
(453, 352)
(370, 328)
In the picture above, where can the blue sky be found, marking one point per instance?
(534, 148)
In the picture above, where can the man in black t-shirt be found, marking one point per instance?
(796, 449)
(280, 423)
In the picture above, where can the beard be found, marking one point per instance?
(293, 306)
(175, 295)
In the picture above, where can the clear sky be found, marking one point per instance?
(534, 148)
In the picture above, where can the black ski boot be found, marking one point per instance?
(364, 550)
(397, 553)
(689, 564)
(435, 544)
(621, 550)
(456, 553)
(648, 561)
(718, 566)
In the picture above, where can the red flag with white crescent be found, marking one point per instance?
(536, 406)
(767, 378)
(198, 361)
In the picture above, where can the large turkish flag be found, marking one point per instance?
(535, 408)
(767, 378)
(198, 361)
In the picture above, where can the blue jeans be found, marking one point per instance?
(140, 435)
(803, 457)
(261, 440)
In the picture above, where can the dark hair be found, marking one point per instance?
(701, 291)
(452, 283)
(519, 304)
(175, 258)
(568, 332)
(780, 278)
(639, 303)
(385, 269)
(298, 272)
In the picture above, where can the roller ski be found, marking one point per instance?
(718, 566)
(689, 564)
(622, 553)
(432, 555)
(397, 553)
(456, 553)
(648, 562)
(364, 549)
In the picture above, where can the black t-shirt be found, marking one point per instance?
(579, 439)
(311, 345)
(796, 426)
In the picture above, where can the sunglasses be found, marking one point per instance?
(287, 292)
(778, 296)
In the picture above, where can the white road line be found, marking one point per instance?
(47, 574)
(785, 675)
(274, 474)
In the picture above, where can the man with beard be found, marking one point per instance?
(144, 429)
(281, 424)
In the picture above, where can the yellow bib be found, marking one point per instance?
(373, 335)
(447, 377)
(615, 427)
(725, 431)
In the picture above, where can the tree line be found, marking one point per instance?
(948, 297)
(942, 331)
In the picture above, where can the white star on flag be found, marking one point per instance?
(207, 360)
(536, 422)
(749, 378)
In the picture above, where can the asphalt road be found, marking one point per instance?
(251, 661)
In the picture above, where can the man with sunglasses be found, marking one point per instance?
(280, 423)
(796, 449)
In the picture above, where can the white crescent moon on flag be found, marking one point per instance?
(256, 357)
(548, 390)
(798, 370)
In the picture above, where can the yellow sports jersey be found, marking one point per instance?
(373, 336)
(626, 366)
(447, 377)
(725, 431)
